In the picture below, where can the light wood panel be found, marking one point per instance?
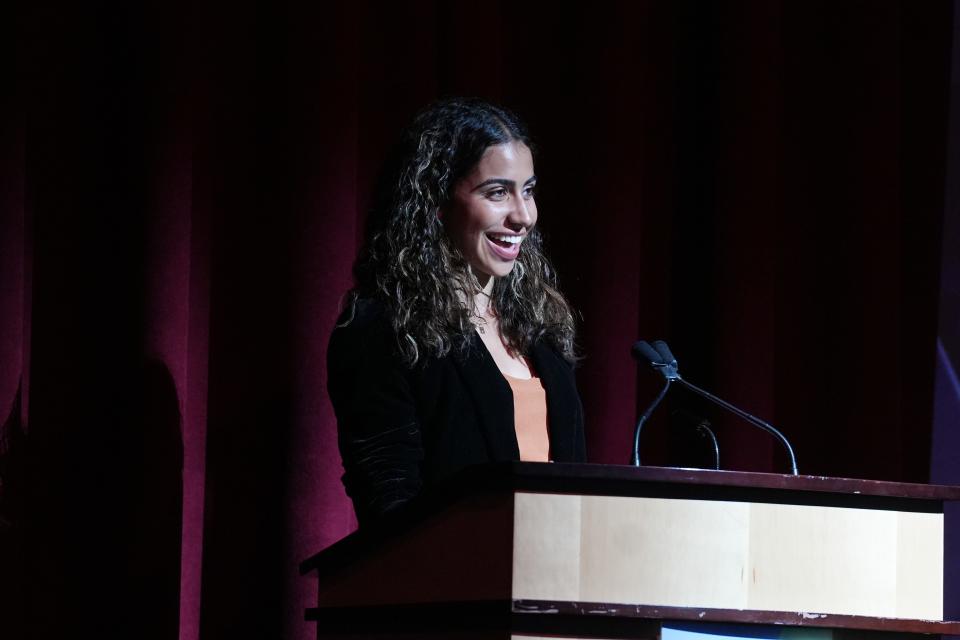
(728, 555)
(555, 554)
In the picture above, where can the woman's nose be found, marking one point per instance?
(522, 213)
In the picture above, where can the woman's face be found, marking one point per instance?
(492, 210)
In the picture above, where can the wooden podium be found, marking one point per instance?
(532, 550)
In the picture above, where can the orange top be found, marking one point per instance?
(530, 418)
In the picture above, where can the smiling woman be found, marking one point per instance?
(493, 210)
(456, 346)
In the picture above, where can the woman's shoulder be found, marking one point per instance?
(363, 339)
(363, 323)
(547, 346)
(363, 314)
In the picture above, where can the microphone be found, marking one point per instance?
(704, 428)
(659, 357)
(646, 353)
(701, 426)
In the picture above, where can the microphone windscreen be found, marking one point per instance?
(643, 351)
(664, 351)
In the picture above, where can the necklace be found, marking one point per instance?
(481, 318)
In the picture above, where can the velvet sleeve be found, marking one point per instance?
(579, 437)
(377, 423)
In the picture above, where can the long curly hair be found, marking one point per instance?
(410, 265)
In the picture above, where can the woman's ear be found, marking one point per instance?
(440, 214)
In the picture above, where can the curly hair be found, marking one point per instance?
(410, 265)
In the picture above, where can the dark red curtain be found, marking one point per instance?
(182, 195)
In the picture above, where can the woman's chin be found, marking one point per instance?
(501, 270)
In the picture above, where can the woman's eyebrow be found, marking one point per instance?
(504, 182)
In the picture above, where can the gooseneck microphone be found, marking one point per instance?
(701, 426)
(659, 357)
(645, 353)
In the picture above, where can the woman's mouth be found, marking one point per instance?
(505, 246)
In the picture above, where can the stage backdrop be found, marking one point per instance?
(182, 193)
(945, 448)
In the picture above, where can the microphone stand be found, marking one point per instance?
(635, 459)
(757, 422)
(660, 358)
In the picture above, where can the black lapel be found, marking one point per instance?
(561, 391)
(493, 399)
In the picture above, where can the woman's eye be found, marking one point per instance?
(529, 192)
(497, 194)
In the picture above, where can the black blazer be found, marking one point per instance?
(401, 429)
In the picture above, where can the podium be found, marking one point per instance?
(536, 550)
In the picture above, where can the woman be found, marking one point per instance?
(456, 348)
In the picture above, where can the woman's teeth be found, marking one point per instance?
(507, 239)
